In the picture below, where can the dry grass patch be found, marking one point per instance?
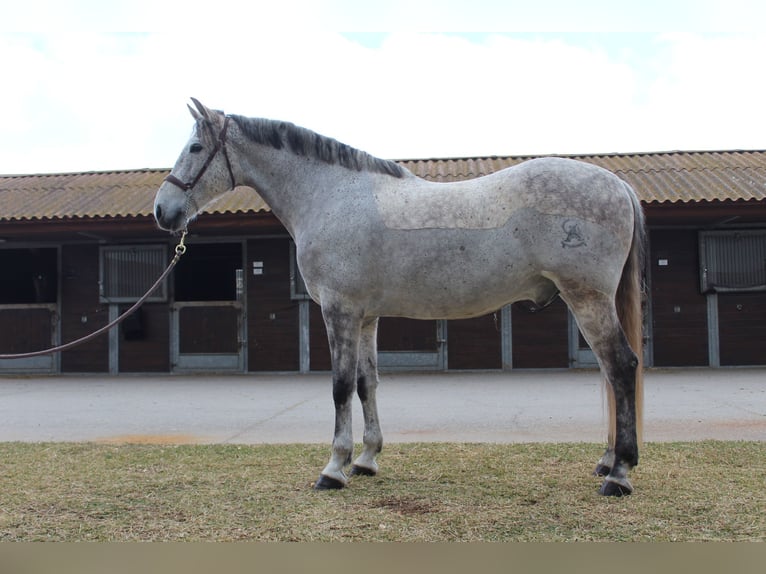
(429, 492)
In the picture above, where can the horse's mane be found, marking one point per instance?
(304, 142)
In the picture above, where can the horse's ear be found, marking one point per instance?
(194, 113)
(203, 111)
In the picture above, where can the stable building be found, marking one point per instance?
(77, 249)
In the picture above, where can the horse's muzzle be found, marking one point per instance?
(169, 219)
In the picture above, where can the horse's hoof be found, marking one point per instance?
(328, 483)
(362, 471)
(610, 488)
(602, 470)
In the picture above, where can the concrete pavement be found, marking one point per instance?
(517, 406)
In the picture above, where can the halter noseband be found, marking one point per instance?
(219, 145)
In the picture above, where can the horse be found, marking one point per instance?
(374, 240)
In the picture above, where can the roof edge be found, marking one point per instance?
(581, 155)
(91, 172)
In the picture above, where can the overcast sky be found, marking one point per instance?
(104, 85)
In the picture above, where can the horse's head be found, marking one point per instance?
(201, 173)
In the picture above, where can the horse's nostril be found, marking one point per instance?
(158, 213)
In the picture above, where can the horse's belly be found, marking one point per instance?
(457, 289)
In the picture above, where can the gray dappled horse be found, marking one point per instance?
(373, 240)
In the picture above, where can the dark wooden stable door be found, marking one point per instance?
(208, 309)
(409, 344)
(28, 307)
(208, 329)
(27, 329)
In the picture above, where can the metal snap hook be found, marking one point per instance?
(181, 248)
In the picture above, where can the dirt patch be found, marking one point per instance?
(405, 506)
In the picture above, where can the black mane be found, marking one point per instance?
(306, 143)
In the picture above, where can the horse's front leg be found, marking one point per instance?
(343, 331)
(366, 387)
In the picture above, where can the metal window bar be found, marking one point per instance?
(127, 271)
(298, 289)
(733, 261)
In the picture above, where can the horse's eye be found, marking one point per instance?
(195, 147)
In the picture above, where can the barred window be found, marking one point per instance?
(298, 289)
(732, 261)
(127, 272)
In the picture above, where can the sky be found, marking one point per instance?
(103, 85)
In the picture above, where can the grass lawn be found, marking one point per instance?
(425, 492)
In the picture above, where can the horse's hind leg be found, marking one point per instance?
(597, 318)
(366, 387)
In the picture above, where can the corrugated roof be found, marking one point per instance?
(99, 194)
(657, 178)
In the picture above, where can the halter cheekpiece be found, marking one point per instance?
(219, 145)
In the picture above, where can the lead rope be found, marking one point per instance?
(179, 251)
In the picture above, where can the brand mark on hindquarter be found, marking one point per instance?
(574, 236)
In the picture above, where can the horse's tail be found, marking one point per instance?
(629, 302)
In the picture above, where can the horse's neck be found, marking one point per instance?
(293, 186)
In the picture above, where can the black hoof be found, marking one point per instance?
(602, 470)
(610, 488)
(328, 483)
(362, 471)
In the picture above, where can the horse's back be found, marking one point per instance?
(552, 186)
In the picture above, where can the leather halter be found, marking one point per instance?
(219, 145)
